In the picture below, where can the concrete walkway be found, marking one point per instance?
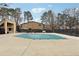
(14, 46)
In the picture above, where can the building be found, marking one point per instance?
(31, 25)
(8, 26)
(34, 26)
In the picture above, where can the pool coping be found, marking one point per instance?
(65, 36)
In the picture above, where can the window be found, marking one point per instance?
(30, 29)
(9, 29)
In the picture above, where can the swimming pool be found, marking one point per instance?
(40, 36)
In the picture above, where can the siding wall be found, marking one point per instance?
(31, 25)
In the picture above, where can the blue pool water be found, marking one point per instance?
(40, 36)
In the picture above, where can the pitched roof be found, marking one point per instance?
(31, 22)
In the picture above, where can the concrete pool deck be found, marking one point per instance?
(14, 46)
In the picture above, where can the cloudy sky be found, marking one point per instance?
(38, 8)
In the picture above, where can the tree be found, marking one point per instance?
(59, 21)
(48, 19)
(44, 19)
(27, 16)
(51, 19)
(62, 18)
(17, 15)
(11, 13)
(4, 12)
(71, 22)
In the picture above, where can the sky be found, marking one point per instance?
(38, 8)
